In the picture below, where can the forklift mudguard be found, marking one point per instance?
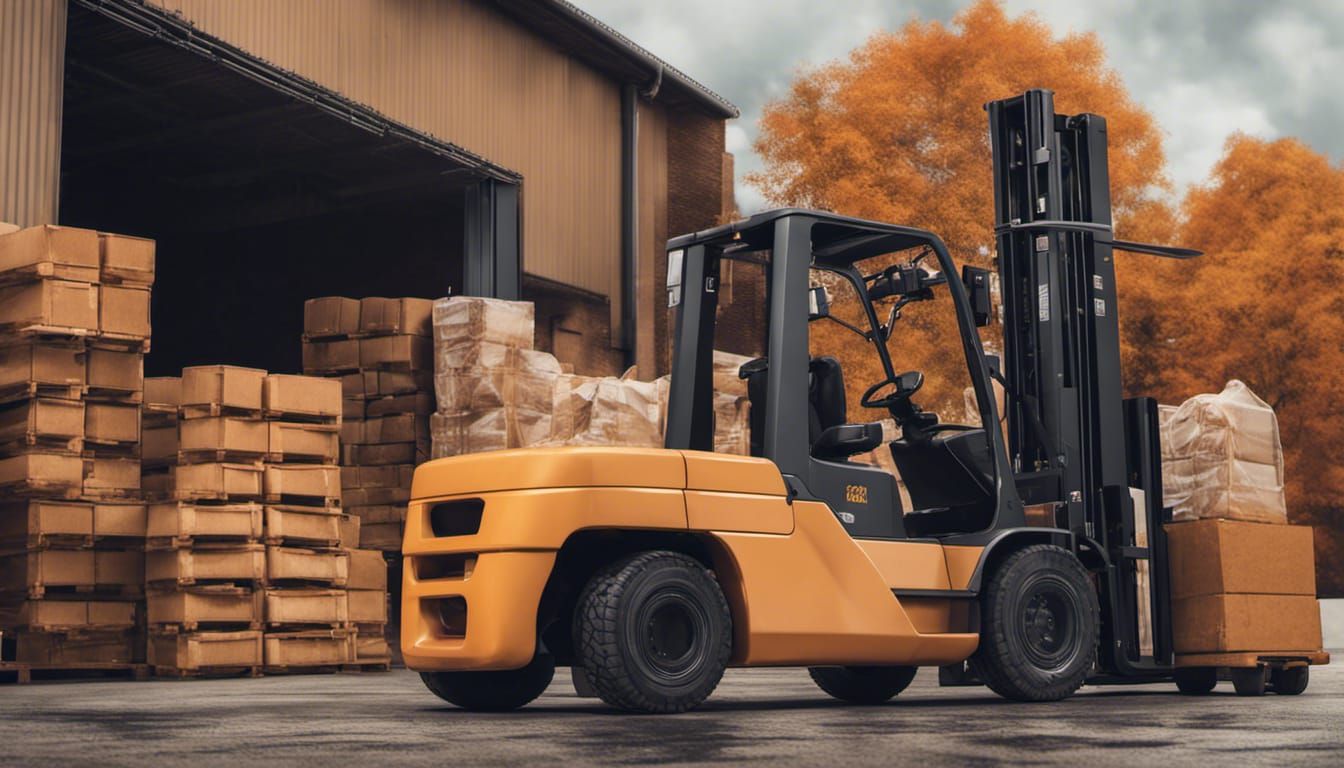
(1010, 540)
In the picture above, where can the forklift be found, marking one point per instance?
(648, 572)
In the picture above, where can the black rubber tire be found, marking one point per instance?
(1048, 656)
(863, 685)
(1290, 681)
(1196, 681)
(492, 691)
(1249, 681)
(653, 633)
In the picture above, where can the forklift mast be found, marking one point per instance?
(1073, 440)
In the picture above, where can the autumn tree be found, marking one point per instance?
(1263, 305)
(897, 132)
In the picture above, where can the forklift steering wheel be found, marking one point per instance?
(906, 385)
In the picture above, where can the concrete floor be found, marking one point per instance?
(772, 716)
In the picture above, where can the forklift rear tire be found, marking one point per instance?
(863, 685)
(1290, 681)
(1249, 681)
(1039, 625)
(492, 691)
(653, 633)
(1196, 681)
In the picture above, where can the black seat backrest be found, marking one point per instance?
(825, 396)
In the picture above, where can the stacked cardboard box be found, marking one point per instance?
(205, 565)
(74, 327)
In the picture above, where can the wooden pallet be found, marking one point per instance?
(368, 665)
(110, 449)
(160, 543)
(26, 330)
(113, 494)
(29, 488)
(46, 270)
(22, 674)
(1247, 659)
(206, 673)
(307, 419)
(29, 390)
(187, 627)
(123, 591)
(113, 395)
(121, 342)
(290, 500)
(64, 445)
(216, 410)
(221, 457)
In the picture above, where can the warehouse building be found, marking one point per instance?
(285, 149)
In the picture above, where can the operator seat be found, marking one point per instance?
(825, 403)
(950, 478)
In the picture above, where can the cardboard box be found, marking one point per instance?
(112, 519)
(381, 513)
(205, 650)
(217, 481)
(31, 369)
(379, 476)
(397, 428)
(397, 453)
(302, 396)
(212, 605)
(352, 431)
(215, 562)
(32, 422)
(351, 409)
(400, 353)
(366, 606)
(41, 472)
(396, 316)
(330, 316)
(1231, 623)
(311, 526)
(186, 521)
(333, 356)
(36, 570)
(367, 497)
(88, 648)
(368, 570)
(112, 476)
(381, 536)
(36, 522)
(289, 441)
(292, 607)
(119, 568)
(291, 564)
(308, 649)
(126, 260)
(61, 306)
(49, 251)
(303, 480)
(1216, 556)
(419, 403)
(349, 531)
(223, 435)
(69, 615)
(222, 386)
(123, 312)
(158, 444)
(163, 391)
(109, 371)
(377, 384)
(371, 646)
(112, 423)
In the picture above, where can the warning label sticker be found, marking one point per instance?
(1043, 303)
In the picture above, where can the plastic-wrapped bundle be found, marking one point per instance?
(1221, 458)
(479, 389)
(607, 411)
(726, 378)
(731, 431)
(493, 429)
(460, 319)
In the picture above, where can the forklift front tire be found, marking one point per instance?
(1039, 625)
(1196, 681)
(653, 633)
(863, 685)
(492, 691)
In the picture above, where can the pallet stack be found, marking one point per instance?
(74, 327)
(381, 349)
(205, 567)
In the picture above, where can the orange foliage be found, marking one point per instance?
(898, 133)
(1263, 305)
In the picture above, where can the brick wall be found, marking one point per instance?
(575, 326)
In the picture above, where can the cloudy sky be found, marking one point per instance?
(1205, 68)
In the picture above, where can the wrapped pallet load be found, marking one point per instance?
(1221, 458)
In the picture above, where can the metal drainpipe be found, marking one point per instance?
(629, 218)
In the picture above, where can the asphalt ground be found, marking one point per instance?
(771, 716)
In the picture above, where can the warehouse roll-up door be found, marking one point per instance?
(263, 189)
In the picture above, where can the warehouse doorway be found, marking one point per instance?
(262, 190)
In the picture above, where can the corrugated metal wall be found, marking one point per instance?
(459, 71)
(32, 58)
